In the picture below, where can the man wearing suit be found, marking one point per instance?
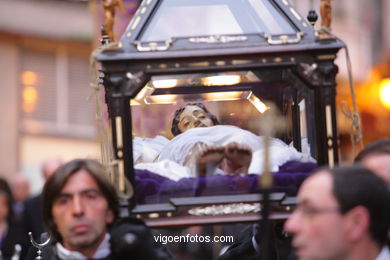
(342, 213)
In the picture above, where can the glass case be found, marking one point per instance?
(192, 90)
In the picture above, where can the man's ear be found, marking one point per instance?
(357, 223)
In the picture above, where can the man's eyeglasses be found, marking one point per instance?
(309, 211)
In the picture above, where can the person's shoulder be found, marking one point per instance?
(34, 199)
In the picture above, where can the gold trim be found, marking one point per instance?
(121, 181)
(154, 215)
(220, 63)
(239, 62)
(119, 154)
(328, 114)
(331, 158)
(119, 135)
(292, 10)
(136, 22)
(163, 66)
(199, 64)
(278, 59)
(148, 66)
(177, 65)
(329, 133)
(326, 57)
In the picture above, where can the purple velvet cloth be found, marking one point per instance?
(153, 188)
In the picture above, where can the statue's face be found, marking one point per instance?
(194, 116)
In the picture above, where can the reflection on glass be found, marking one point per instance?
(185, 18)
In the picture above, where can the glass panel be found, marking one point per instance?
(185, 18)
(219, 138)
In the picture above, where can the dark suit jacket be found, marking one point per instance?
(15, 235)
(243, 248)
(32, 216)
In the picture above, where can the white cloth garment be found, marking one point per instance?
(384, 255)
(173, 156)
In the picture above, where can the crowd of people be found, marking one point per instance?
(342, 213)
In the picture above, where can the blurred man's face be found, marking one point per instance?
(380, 164)
(81, 213)
(50, 167)
(194, 116)
(316, 225)
(20, 188)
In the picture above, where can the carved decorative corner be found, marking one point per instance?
(318, 73)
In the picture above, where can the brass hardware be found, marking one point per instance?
(292, 10)
(239, 62)
(218, 39)
(121, 168)
(326, 57)
(154, 215)
(329, 133)
(119, 136)
(199, 64)
(278, 59)
(283, 39)
(153, 46)
(135, 22)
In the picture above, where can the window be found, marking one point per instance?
(54, 90)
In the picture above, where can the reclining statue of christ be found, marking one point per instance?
(201, 147)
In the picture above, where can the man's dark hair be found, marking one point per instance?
(357, 186)
(175, 122)
(54, 185)
(375, 148)
(7, 192)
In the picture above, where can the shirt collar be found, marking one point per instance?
(384, 255)
(102, 251)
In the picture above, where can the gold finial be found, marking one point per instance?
(326, 14)
(109, 15)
